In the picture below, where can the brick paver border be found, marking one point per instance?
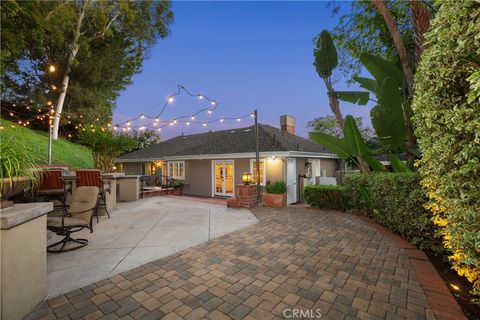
(443, 304)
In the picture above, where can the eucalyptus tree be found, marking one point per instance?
(81, 53)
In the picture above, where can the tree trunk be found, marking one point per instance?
(334, 104)
(421, 16)
(66, 74)
(397, 39)
(407, 70)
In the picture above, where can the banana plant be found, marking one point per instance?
(350, 147)
(389, 87)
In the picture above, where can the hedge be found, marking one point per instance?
(447, 124)
(325, 197)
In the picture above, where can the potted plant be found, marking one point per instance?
(275, 194)
(17, 170)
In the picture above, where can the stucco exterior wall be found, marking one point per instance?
(198, 178)
(330, 165)
(132, 168)
(275, 170)
(241, 166)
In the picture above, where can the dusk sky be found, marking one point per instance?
(245, 55)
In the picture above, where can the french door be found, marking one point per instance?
(223, 178)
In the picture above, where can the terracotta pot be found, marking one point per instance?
(10, 190)
(274, 200)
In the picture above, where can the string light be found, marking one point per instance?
(209, 111)
(170, 99)
(142, 116)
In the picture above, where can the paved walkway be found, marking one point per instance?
(295, 258)
(137, 233)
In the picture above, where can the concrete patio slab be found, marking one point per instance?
(137, 233)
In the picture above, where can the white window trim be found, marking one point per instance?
(170, 174)
(264, 169)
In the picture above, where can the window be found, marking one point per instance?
(176, 169)
(253, 171)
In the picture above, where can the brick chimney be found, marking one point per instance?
(287, 123)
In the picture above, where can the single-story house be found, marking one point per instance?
(211, 164)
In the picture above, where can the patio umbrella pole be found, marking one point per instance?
(257, 155)
(50, 131)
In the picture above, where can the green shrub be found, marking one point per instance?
(277, 187)
(325, 197)
(395, 200)
(447, 124)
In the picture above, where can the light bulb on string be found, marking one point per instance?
(157, 119)
(170, 99)
(209, 111)
(204, 124)
(159, 129)
(200, 97)
(142, 116)
(142, 128)
(193, 117)
(252, 115)
(238, 119)
(128, 123)
(221, 120)
(188, 123)
(154, 123)
(213, 103)
(175, 121)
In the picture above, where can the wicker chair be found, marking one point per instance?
(94, 178)
(78, 217)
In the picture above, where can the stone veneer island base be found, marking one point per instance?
(23, 258)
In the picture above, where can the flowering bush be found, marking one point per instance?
(447, 120)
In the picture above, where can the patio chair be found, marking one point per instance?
(53, 187)
(78, 217)
(94, 178)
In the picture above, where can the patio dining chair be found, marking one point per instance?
(78, 217)
(94, 178)
(53, 187)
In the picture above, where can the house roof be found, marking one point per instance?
(240, 140)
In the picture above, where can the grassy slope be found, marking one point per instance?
(63, 152)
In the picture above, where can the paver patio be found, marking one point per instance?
(293, 258)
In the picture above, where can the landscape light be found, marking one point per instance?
(52, 68)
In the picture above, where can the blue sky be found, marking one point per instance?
(245, 55)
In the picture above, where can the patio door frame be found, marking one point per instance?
(223, 194)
